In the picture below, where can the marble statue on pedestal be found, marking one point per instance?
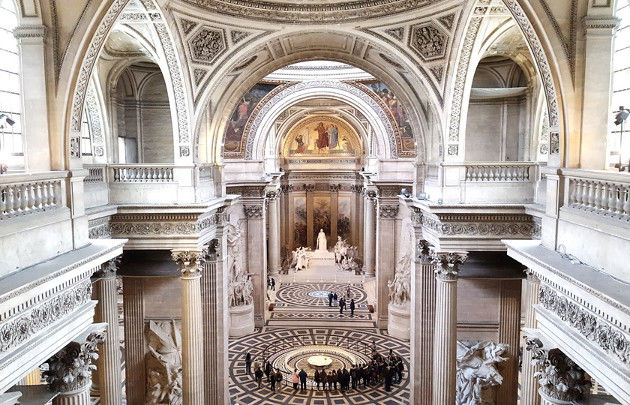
(322, 241)
(300, 259)
(164, 363)
(477, 374)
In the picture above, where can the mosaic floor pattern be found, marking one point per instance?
(316, 294)
(288, 347)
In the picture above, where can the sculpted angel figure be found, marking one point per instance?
(477, 372)
(400, 286)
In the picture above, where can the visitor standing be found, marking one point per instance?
(248, 363)
(295, 379)
(335, 299)
(272, 380)
(348, 291)
(273, 284)
(303, 376)
(341, 305)
(330, 298)
(352, 306)
(259, 376)
(268, 370)
(278, 379)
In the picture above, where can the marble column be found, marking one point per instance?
(190, 264)
(215, 328)
(133, 307)
(422, 323)
(529, 386)
(256, 257)
(274, 232)
(369, 233)
(385, 257)
(69, 371)
(446, 266)
(109, 365)
(509, 333)
(34, 377)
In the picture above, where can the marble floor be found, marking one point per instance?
(302, 324)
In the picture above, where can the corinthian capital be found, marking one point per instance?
(109, 268)
(447, 264)
(71, 368)
(424, 250)
(189, 262)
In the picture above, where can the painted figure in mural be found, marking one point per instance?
(321, 240)
(322, 136)
(301, 146)
(347, 145)
(333, 134)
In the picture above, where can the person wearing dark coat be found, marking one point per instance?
(388, 378)
(259, 376)
(272, 380)
(302, 376)
(248, 363)
(268, 370)
(330, 298)
(353, 377)
(342, 304)
(352, 306)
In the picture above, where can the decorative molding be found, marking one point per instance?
(397, 32)
(163, 225)
(207, 44)
(495, 225)
(30, 31)
(294, 12)
(95, 122)
(99, 228)
(109, 268)
(70, 370)
(609, 337)
(17, 330)
(253, 211)
(428, 41)
(388, 211)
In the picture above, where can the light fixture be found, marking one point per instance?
(620, 117)
(5, 121)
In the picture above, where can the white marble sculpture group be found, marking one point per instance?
(477, 373)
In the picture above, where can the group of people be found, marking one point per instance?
(333, 298)
(271, 283)
(379, 370)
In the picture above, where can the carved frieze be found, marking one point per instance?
(99, 228)
(480, 225)
(429, 41)
(388, 211)
(607, 336)
(17, 330)
(162, 225)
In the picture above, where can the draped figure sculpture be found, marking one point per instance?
(322, 241)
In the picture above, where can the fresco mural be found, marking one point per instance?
(401, 118)
(322, 136)
(344, 217)
(321, 216)
(240, 115)
(299, 225)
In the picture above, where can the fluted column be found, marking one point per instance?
(446, 266)
(190, 263)
(133, 306)
(34, 377)
(369, 234)
(274, 233)
(69, 371)
(509, 333)
(256, 257)
(423, 324)
(215, 328)
(529, 386)
(108, 368)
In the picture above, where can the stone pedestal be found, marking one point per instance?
(108, 364)
(445, 347)
(189, 263)
(241, 320)
(399, 320)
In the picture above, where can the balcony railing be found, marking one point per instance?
(503, 171)
(142, 173)
(28, 194)
(599, 193)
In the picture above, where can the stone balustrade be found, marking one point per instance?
(28, 194)
(504, 171)
(142, 173)
(599, 193)
(96, 173)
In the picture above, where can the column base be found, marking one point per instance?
(272, 272)
(241, 320)
(547, 400)
(399, 321)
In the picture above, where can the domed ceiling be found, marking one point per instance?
(296, 11)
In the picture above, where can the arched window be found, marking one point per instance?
(621, 85)
(11, 152)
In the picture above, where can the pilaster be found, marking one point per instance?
(256, 257)
(509, 333)
(273, 207)
(369, 232)
(133, 304)
(385, 256)
(529, 387)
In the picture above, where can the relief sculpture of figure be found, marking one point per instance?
(400, 286)
(477, 373)
(164, 363)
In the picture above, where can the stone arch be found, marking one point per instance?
(175, 75)
(261, 122)
(417, 96)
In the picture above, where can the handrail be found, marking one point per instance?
(598, 192)
(25, 194)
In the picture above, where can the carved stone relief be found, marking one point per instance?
(477, 373)
(207, 44)
(429, 41)
(163, 363)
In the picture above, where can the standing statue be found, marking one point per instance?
(477, 374)
(322, 241)
(341, 250)
(240, 288)
(400, 286)
(164, 363)
(300, 259)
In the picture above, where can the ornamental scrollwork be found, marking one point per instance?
(189, 262)
(16, 331)
(446, 264)
(428, 41)
(388, 211)
(608, 337)
(253, 211)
